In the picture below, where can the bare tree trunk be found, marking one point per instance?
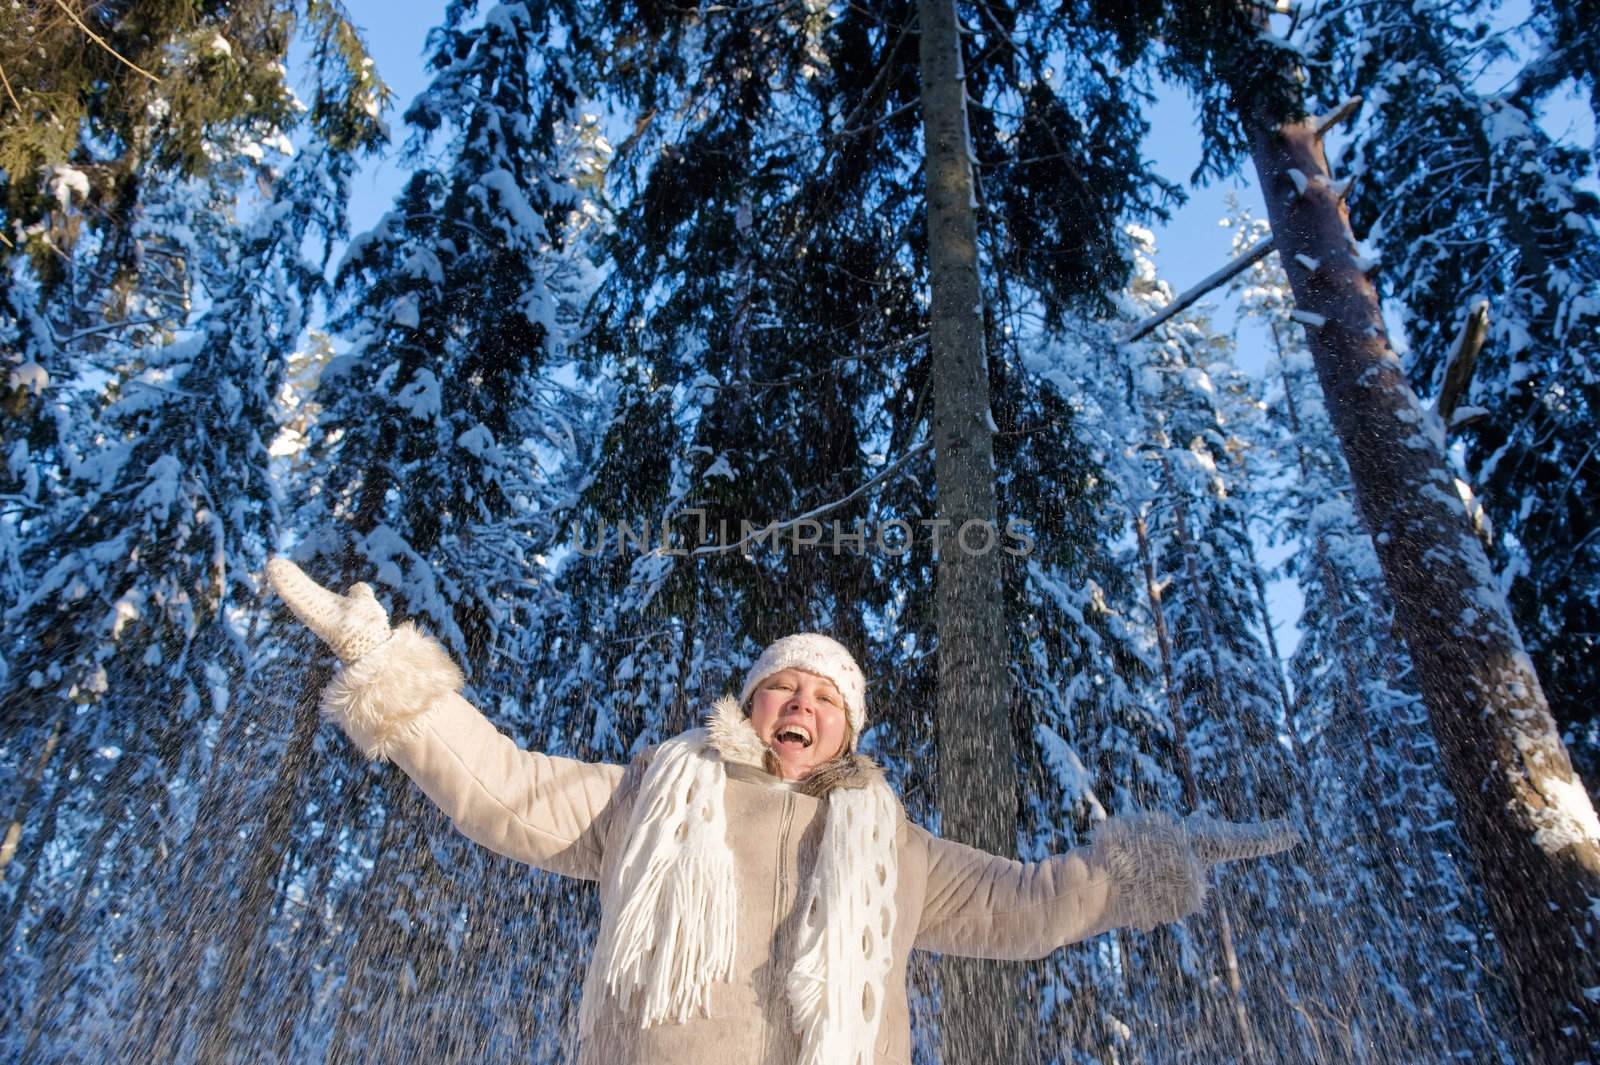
(1218, 912)
(8, 846)
(984, 1019)
(1524, 815)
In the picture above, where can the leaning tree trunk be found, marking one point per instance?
(1524, 815)
(977, 784)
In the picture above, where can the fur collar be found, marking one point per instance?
(736, 742)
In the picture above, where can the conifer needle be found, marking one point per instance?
(73, 15)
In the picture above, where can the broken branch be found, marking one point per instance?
(1336, 116)
(1462, 361)
(1254, 254)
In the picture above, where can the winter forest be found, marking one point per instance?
(694, 325)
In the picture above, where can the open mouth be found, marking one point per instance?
(792, 738)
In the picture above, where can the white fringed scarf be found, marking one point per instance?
(673, 934)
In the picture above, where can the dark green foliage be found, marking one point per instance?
(1222, 51)
(806, 313)
(171, 89)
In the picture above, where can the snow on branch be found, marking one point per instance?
(1336, 116)
(1254, 254)
(777, 528)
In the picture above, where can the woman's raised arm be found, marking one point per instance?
(398, 698)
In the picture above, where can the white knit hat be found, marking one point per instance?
(819, 654)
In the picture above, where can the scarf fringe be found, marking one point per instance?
(674, 934)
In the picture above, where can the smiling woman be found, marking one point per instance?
(800, 714)
(760, 886)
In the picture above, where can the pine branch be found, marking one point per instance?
(1254, 254)
(9, 94)
(108, 327)
(781, 382)
(1540, 76)
(777, 528)
(97, 39)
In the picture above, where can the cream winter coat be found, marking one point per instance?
(402, 702)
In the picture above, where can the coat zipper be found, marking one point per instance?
(780, 897)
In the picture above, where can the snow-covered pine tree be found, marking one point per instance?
(154, 571)
(1195, 500)
(110, 255)
(1463, 199)
(772, 342)
(129, 592)
(801, 294)
(1527, 819)
(451, 434)
(107, 103)
(1369, 750)
(1093, 684)
(107, 107)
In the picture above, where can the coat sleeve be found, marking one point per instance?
(401, 702)
(1137, 872)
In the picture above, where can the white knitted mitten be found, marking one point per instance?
(1215, 842)
(351, 624)
(1161, 865)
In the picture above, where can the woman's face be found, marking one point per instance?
(801, 718)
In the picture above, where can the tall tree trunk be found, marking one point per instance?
(977, 782)
(1524, 815)
(19, 819)
(1218, 912)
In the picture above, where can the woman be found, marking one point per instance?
(760, 886)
